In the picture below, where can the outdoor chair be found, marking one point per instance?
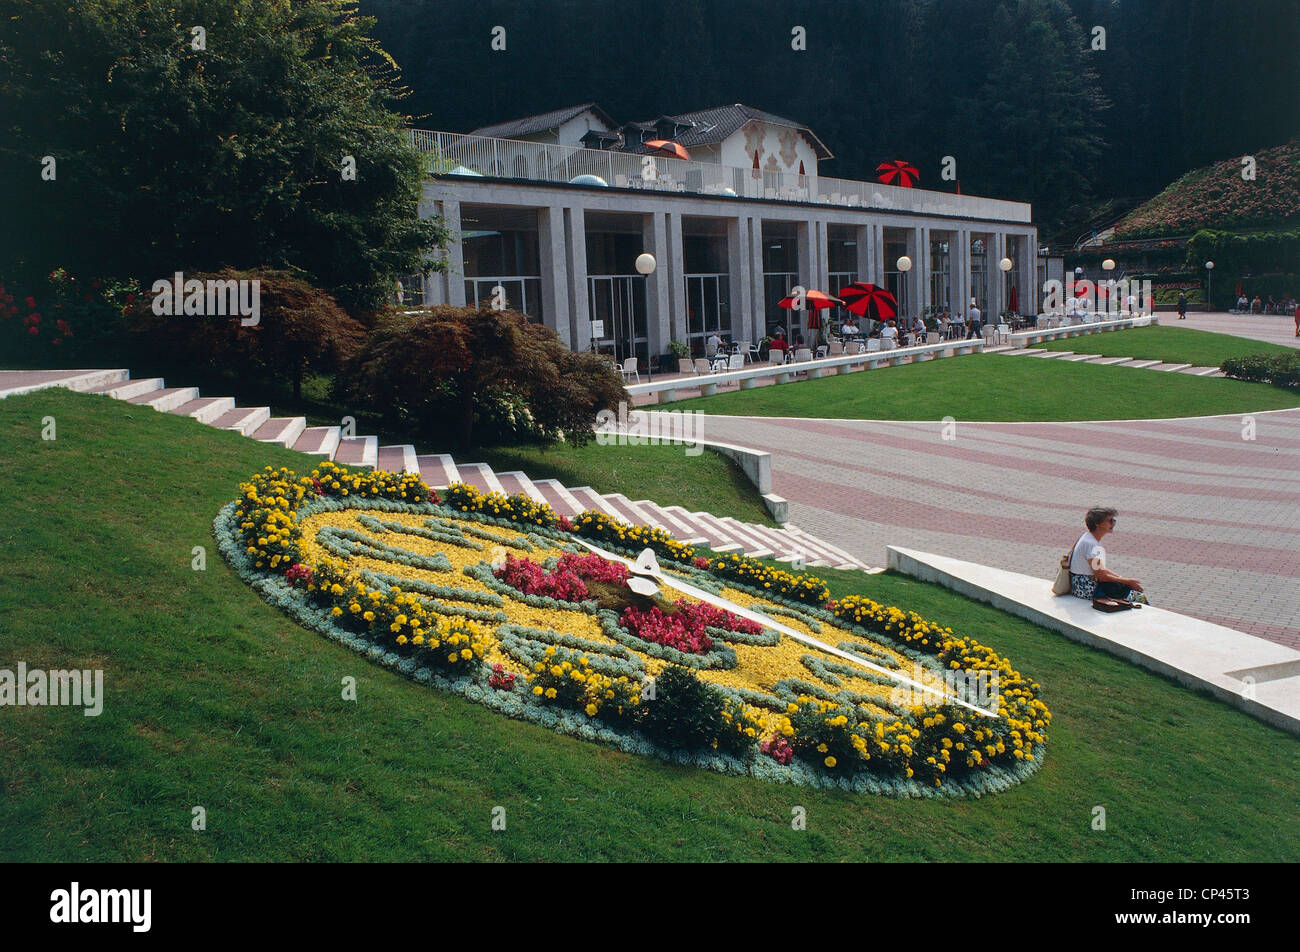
(873, 345)
(803, 354)
(1004, 333)
(629, 369)
(888, 343)
(858, 347)
(736, 362)
(822, 351)
(776, 356)
(837, 348)
(932, 337)
(750, 351)
(684, 366)
(702, 366)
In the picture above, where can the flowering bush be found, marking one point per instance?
(685, 627)
(519, 508)
(802, 588)
(778, 748)
(565, 676)
(597, 525)
(501, 679)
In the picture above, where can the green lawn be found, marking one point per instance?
(664, 474)
(1173, 345)
(996, 387)
(215, 699)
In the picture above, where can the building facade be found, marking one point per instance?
(555, 226)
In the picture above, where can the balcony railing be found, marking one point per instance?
(457, 154)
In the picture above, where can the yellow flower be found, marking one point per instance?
(830, 761)
(538, 690)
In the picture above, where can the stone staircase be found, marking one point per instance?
(1071, 357)
(720, 533)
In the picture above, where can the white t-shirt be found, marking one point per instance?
(1085, 549)
(712, 345)
(974, 315)
(888, 333)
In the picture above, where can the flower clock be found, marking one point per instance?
(621, 635)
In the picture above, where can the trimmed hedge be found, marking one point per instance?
(1282, 370)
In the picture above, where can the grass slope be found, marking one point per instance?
(995, 387)
(215, 699)
(1173, 345)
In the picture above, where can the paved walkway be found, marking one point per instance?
(1277, 329)
(1208, 520)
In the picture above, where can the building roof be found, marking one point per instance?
(708, 126)
(541, 122)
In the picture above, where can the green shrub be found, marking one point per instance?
(684, 713)
(1282, 370)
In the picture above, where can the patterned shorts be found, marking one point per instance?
(1085, 586)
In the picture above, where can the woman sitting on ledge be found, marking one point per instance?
(1089, 577)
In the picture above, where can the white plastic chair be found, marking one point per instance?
(932, 337)
(684, 366)
(736, 362)
(629, 369)
(776, 356)
(822, 351)
(802, 354)
(1004, 333)
(888, 343)
(702, 366)
(837, 348)
(873, 345)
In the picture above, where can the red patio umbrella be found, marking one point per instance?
(758, 173)
(813, 301)
(673, 149)
(1014, 303)
(898, 172)
(863, 298)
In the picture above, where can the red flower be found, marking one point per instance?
(130, 299)
(34, 317)
(33, 330)
(31, 303)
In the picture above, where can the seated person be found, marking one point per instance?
(712, 345)
(1242, 304)
(1089, 577)
(778, 341)
(1257, 305)
(889, 331)
(850, 328)
(918, 328)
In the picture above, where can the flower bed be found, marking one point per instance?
(849, 693)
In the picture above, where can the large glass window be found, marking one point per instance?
(708, 309)
(896, 281)
(780, 275)
(619, 301)
(517, 293)
(1015, 292)
(940, 275)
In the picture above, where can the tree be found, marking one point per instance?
(298, 328)
(202, 134)
(445, 365)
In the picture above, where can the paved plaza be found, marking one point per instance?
(1209, 520)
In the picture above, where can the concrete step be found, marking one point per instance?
(125, 389)
(594, 501)
(717, 538)
(358, 451)
(168, 398)
(999, 349)
(438, 470)
(282, 430)
(318, 441)
(1201, 371)
(1143, 364)
(680, 530)
(626, 511)
(482, 476)
(522, 484)
(558, 495)
(1171, 368)
(398, 459)
(1111, 361)
(1079, 357)
(755, 547)
(206, 409)
(243, 420)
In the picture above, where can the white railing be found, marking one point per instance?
(453, 153)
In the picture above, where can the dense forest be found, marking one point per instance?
(1014, 90)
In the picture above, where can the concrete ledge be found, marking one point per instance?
(1038, 336)
(1257, 676)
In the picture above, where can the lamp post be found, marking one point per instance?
(1108, 266)
(1209, 285)
(904, 266)
(645, 266)
(1005, 267)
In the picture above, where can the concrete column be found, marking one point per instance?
(677, 326)
(453, 279)
(739, 281)
(654, 234)
(1031, 295)
(877, 255)
(823, 271)
(555, 276)
(920, 241)
(862, 236)
(961, 271)
(997, 245)
(575, 243)
(757, 298)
